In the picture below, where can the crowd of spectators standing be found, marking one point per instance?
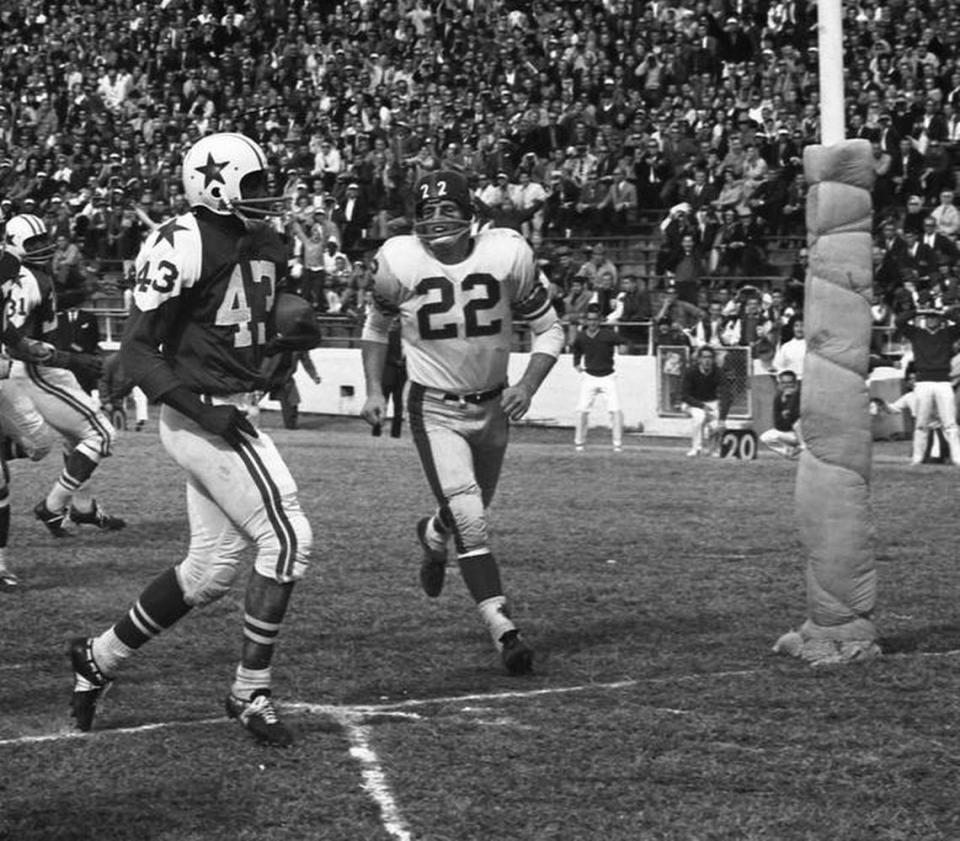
(570, 118)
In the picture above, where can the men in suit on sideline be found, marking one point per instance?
(353, 217)
(78, 331)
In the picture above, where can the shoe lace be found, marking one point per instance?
(262, 706)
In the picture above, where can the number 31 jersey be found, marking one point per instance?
(457, 319)
(203, 292)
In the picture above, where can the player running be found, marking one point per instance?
(196, 340)
(46, 377)
(456, 296)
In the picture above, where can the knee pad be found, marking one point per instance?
(470, 520)
(283, 552)
(205, 581)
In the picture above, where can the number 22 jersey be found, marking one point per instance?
(204, 291)
(457, 319)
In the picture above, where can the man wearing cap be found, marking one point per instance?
(932, 334)
(352, 216)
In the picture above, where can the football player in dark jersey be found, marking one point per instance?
(457, 296)
(197, 342)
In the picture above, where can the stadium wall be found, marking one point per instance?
(341, 392)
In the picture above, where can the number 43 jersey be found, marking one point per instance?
(204, 291)
(457, 319)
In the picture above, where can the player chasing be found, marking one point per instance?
(456, 296)
(199, 335)
(46, 378)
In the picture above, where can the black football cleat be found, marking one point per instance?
(89, 683)
(53, 520)
(259, 717)
(433, 567)
(96, 516)
(517, 655)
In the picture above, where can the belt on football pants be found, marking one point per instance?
(475, 398)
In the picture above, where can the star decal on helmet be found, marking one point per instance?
(211, 171)
(169, 230)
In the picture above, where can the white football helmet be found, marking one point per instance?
(227, 173)
(26, 237)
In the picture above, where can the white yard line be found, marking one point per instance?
(374, 779)
(354, 721)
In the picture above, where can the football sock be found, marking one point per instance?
(77, 469)
(436, 539)
(265, 604)
(83, 501)
(247, 681)
(494, 613)
(481, 575)
(160, 606)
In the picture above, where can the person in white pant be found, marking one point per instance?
(593, 352)
(784, 437)
(705, 398)
(932, 334)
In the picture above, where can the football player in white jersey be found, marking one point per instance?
(457, 296)
(47, 378)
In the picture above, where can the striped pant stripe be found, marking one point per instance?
(422, 442)
(273, 505)
(94, 418)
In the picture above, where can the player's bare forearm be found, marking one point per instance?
(374, 355)
(516, 399)
(538, 367)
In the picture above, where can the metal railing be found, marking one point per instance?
(344, 332)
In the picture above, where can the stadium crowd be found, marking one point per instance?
(571, 120)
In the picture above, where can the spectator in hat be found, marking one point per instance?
(917, 258)
(588, 208)
(620, 203)
(559, 205)
(353, 217)
(596, 265)
(328, 163)
(529, 195)
(561, 269)
(943, 245)
(496, 191)
(945, 215)
(651, 172)
(906, 171)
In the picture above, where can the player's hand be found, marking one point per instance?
(374, 409)
(36, 351)
(515, 401)
(225, 421)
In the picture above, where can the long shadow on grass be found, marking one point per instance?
(933, 638)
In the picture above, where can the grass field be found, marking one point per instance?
(652, 587)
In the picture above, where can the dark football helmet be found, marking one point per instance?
(437, 194)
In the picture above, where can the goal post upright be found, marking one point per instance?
(832, 502)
